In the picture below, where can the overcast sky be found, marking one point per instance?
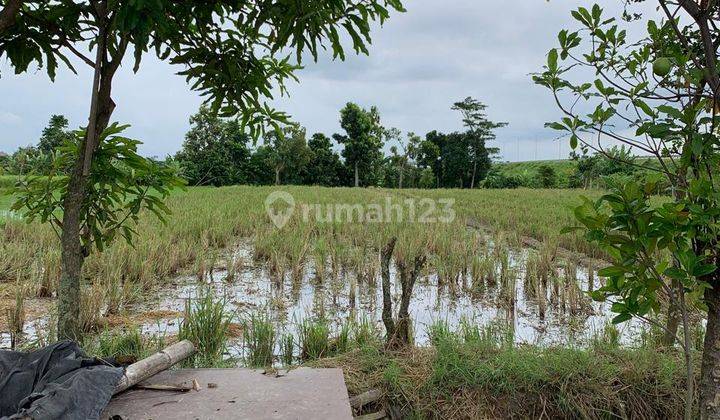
(419, 64)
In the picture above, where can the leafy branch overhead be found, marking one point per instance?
(233, 53)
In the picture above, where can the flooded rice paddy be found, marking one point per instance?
(505, 291)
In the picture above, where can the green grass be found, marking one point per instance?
(481, 378)
(259, 340)
(8, 181)
(314, 339)
(124, 345)
(529, 170)
(206, 324)
(6, 200)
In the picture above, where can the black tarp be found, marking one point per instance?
(56, 382)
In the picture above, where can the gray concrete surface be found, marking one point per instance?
(237, 394)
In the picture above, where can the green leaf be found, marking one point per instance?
(552, 60)
(621, 318)
(573, 142)
(612, 271)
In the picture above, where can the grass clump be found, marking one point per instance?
(313, 339)
(364, 333)
(206, 324)
(124, 346)
(288, 349)
(259, 340)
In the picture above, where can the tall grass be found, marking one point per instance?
(206, 221)
(259, 340)
(206, 324)
(313, 339)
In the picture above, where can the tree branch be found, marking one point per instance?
(8, 14)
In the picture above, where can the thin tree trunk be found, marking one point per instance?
(385, 257)
(277, 176)
(357, 176)
(9, 13)
(398, 333)
(72, 256)
(72, 251)
(690, 386)
(400, 179)
(408, 277)
(710, 370)
(472, 181)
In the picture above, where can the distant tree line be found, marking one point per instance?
(216, 152)
(37, 159)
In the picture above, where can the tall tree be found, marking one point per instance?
(214, 151)
(457, 164)
(399, 153)
(55, 134)
(231, 52)
(259, 172)
(325, 167)
(362, 139)
(289, 153)
(481, 131)
(429, 153)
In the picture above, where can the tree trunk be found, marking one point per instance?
(408, 277)
(277, 176)
(472, 180)
(710, 370)
(72, 251)
(400, 177)
(398, 333)
(357, 176)
(72, 256)
(385, 257)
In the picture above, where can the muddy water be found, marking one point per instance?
(288, 302)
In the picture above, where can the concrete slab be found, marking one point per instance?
(237, 394)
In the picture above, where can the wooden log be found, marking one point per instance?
(145, 368)
(374, 416)
(365, 398)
